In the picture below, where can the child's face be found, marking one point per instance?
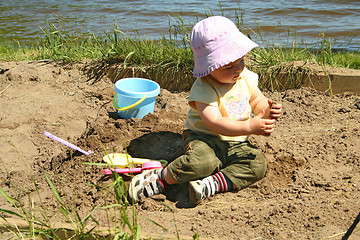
(230, 73)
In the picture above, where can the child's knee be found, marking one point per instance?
(185, 169)
(199, 169)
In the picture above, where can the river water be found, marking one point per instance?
(279, 20)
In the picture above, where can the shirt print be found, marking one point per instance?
(237, 105)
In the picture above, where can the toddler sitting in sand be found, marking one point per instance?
(218, 157)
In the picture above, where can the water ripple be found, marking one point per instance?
(340, 19)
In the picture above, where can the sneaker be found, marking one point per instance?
(146, 184)
(201, 189)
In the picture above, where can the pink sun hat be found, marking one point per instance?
(216, 42)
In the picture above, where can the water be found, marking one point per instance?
(339, 20)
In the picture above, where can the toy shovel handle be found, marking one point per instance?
(122, 170)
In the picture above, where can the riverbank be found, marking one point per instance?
(172, 56)
(296, 199)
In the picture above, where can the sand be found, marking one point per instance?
(311, 189)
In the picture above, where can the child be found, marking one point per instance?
(218, 157)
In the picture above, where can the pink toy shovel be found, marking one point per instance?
(67, 143)
(145, 166)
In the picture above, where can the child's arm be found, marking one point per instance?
(228, 127)
(259, 102)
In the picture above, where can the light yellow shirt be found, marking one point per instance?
(233, 101)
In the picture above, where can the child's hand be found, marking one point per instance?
(275, 109)
(261, 126)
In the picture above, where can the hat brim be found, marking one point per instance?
(232, 50)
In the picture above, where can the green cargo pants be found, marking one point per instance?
(205, 155)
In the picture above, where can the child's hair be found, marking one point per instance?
(216, 42)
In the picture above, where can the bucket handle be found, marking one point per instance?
(127, 107)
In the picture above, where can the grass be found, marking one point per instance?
(168, 60)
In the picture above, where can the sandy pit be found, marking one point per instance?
(311, 190)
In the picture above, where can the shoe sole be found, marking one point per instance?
(194, 195)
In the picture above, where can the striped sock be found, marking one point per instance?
(223, 182)
(162, 179)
